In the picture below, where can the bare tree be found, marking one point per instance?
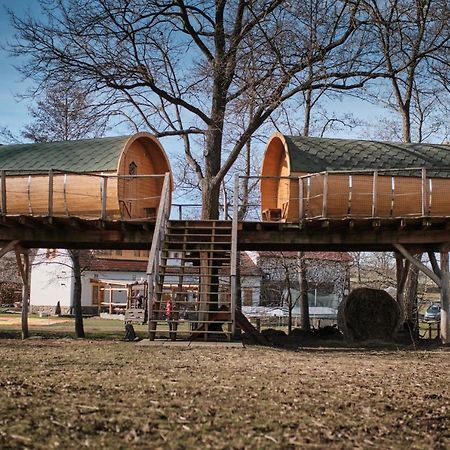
(413, 37)
(64, 112)
(181, 67)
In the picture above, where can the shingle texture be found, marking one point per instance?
(308, 154)
(88, 155)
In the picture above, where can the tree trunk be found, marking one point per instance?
(305, 323)
(76, 300)
(308, 108)
(406, 125)
(410, 300)
(210, 200)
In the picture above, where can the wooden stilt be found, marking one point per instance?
(445, 292)
(24, 270)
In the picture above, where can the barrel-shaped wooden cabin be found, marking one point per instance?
(306, 177)
(112, 177)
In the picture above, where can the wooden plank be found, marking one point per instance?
(445, 303)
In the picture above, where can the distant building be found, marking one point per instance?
(327, 273)
(105, 275)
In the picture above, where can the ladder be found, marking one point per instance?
(192, 295)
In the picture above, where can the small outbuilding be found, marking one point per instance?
(119, 176)
(306, 177)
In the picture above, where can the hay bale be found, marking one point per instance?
(369, 314)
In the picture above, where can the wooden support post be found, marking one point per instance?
(301, 210)
(325, 196)
(391, 214)
(50, 193)
(375, 194)
(3, 188)
(424, 193)
(445, 304)
(24, 270)
(104, 188)
(350, 188)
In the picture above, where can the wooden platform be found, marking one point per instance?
(424, 234)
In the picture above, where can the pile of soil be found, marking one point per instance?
(369, 314)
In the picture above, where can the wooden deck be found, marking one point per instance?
(425, 234)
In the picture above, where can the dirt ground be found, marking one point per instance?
(104, 394)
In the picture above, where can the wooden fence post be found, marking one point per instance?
(50, 193)
(375, 194)
(3, 188)
(104, 188)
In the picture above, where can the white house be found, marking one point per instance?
(52, 279)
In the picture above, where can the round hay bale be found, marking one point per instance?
(369, 314)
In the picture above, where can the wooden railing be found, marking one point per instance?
(154, 258)
(60, 193)
(393, 193)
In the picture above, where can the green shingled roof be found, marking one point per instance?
(308, 154)
(88, 155)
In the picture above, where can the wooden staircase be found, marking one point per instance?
(192, 295)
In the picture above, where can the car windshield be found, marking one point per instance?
(433, 308)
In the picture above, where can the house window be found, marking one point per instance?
(132, 168)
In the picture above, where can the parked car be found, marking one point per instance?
(433, 313)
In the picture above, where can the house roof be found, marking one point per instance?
(90, 262)
(87, 155)
(310, 154)
(318, 256)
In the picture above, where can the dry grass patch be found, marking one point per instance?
(98, 394)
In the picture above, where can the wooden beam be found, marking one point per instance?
(418, 264)
(445, 293)
(8, 248)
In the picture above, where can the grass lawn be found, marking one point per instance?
(94, 327)
(67, 393)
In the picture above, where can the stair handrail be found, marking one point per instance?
(159, 232)
(234, 254)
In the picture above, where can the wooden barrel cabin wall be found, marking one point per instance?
(350, 178)
(123, 167)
